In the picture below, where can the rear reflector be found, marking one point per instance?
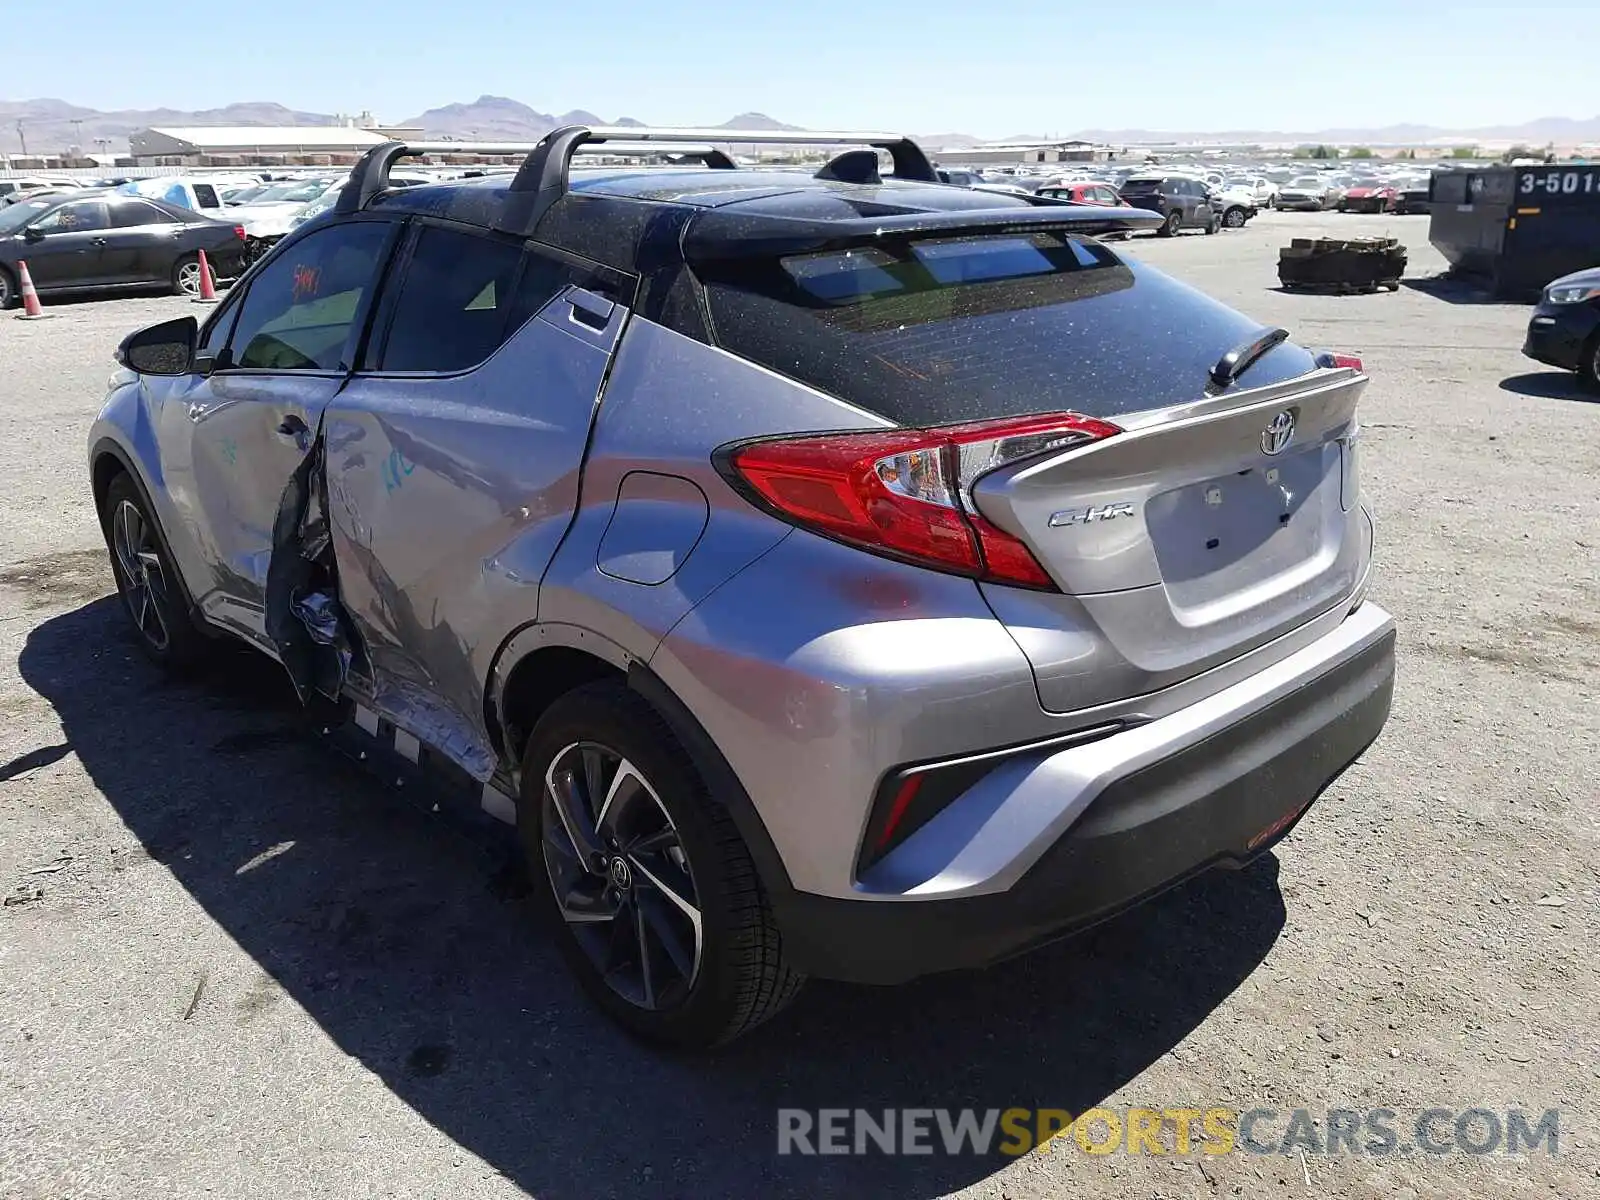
(905, 493)
(238, 232)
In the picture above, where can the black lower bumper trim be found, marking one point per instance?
(1219, 802)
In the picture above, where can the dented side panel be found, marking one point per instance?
(447, 497)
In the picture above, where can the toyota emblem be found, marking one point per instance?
(1278, 433)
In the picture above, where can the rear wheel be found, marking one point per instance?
(186, 275)
(8, 290)
(653, 896)
(1234, 218)
(152, 594)
(1170, 227)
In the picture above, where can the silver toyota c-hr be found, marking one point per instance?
(834, 573)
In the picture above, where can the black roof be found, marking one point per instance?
(633, 219)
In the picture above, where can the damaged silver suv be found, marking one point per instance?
(833, 573)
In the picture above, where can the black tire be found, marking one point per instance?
(157, 605)
(739, 977)
(8, 289)
(1213, 223)
(1173, 223)
(1235, 218)
(1589, 365)
(185, 269)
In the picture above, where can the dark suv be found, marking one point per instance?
(1181, 201)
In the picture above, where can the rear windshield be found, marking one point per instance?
(1142, 185)
(935, 331)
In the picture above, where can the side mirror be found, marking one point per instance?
(30, 234)
(164, 349)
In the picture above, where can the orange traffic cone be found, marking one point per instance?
(31, 310)
(208, 289)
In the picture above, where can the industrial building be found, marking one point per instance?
(1008, 153)
(258, 145)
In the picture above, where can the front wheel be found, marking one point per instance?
(1234, 218)
(651, 892)
(8, 290)
(152, 593)
(1589, 367)
(1170, 227)
(1212, 224)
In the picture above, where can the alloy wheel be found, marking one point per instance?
(5, 291)
(621, 875)
(143, 579)
(189, 278)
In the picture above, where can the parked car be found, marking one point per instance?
(885, 663)
(1092, 192)
(1261, 189)
(1180, 199)
(1413, 197)
(1307, 193)
(198, 194)
(1369, 196)
(13, 187)
(1235, 205)
(959, 177)
(101, 240)
(1083, 192)
(1565, 329)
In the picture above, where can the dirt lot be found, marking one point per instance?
(230, 966)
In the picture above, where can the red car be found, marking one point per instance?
(1102, 194)
(1372, 197)
(1084, 193)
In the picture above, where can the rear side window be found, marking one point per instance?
(939, 331)
(303, 306)
(131, 214)
(462, 296)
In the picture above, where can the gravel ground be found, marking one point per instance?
(229, 966)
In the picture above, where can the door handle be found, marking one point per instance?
(589, 309)
(295, 429)
(99, 241)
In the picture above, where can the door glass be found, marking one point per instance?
(300, 309)
(130, 214)
(455, 302)
(206, 195)
(80, 216)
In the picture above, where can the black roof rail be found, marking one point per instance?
(370, 175)
(544, 174)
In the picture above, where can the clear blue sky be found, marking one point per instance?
(990, 69)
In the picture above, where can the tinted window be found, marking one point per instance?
(129, 214)
(1141, 187)
(206, 195)
(77, 217)
(967, 329)
(455, 304)
(299, 311)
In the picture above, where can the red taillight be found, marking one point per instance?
(238, 232)
(904, 492)
(1346, 360)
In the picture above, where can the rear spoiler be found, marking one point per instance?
(544, 175)
(719, 234)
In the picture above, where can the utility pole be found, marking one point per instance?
(23, 137)
(77, 134)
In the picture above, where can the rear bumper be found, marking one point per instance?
(1558, 333)
(1155, 806)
